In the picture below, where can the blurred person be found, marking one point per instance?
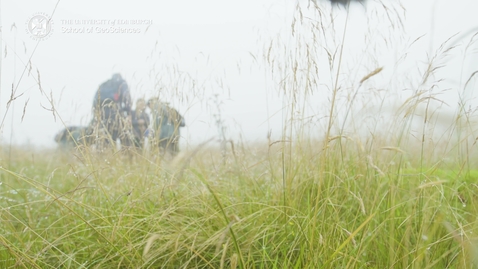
(166, 124)
(74, 136)
(112, 110)
(140, 122)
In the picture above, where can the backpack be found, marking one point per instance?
(73, 136)
(166, 115)
(175, 118)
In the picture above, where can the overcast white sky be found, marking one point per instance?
(191, 50)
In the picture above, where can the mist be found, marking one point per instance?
(229, 61)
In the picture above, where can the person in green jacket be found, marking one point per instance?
(166, 124)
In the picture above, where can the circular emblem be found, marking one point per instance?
(39, 26)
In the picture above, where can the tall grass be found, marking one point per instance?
(362, 212)
(361, 192)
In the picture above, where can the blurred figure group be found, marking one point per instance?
(114, 119)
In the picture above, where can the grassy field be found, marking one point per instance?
(262, 206)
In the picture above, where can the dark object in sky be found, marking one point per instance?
(344, 2)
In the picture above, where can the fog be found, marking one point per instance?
(208, 56)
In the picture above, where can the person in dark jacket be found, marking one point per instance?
(112, 109)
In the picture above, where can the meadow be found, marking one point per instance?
(365, 181)
(280, 205)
